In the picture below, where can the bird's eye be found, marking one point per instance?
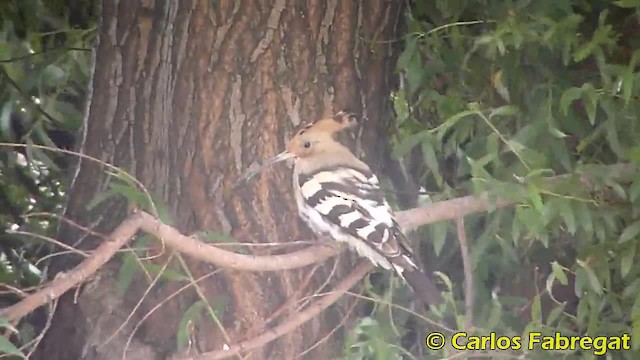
(307, 144)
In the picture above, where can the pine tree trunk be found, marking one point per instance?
(187, 95)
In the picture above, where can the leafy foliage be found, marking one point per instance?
(495, 98)
(44, 70)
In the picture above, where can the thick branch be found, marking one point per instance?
(187, 245)
(445, 210)
(462, 206)
(66, 281)
(197, 249)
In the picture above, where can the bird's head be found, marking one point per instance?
(313, 140)
(317, 138)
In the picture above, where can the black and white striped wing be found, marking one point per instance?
(349, 204)
(352, 202)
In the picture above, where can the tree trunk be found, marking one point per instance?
(187, 95)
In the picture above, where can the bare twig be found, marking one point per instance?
(292, 321)
(468, 274)
(71, 249)
(35, 342)
(163, 302)
(287, 305)
(137, 305)
(345, 318)
(66, 220)
(26, 56)
(27, 98)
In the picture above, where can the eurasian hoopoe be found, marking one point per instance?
(338, 195)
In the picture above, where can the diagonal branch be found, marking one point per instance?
(291, 322)
(65, 281)
(462, 206)
(197, 249)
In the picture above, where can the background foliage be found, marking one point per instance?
(45, 61)
(495, 97)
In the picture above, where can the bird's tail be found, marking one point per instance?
(422, 286)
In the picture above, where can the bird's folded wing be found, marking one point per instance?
(353, 201)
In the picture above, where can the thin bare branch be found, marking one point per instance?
(290, 323)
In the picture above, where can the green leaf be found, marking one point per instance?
(583, 215)
(52, 76)
(219, 304)
(536, 310)
(555, 314)
(407, 144)
(582, 311)
(593, 279)
(627, 260)
(6, 324)
(167, 274)
(438, 236)
(635, 323)
(627, 3)
(633, 154)
(495, 316)
(414, 73)
(98, 199)
(630, 232)
(627, 85)
(187, 323)
(558, 272)
(591, 103)
(635, 334)
(493, 145)
(452, 120)
(29, 150)
(409, 51)
(556, 133)
(126, 273)
(566, 212)
(161, 208)
(504, 111)
(612, 137)
(634, 189)
(430, 158)
(129, 192)
(42, 156)
(400, 106)
(568, 97)
(7, 347)
(536, 199)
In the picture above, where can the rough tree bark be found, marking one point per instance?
(186, 96)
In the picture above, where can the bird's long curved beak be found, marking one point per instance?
(285, 155)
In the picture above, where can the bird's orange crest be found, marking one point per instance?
(340, 121)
